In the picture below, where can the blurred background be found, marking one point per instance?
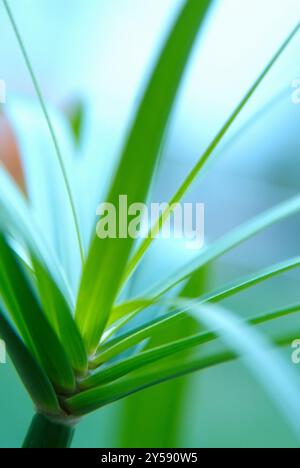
(99, 53)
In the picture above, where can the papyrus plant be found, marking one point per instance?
(64, 313)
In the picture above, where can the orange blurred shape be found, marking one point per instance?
(9, 153)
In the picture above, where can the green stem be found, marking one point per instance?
(46, 433)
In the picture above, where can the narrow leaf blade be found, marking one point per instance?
(157, 327)
(279, 379)
(17, 219)
(220, 294)
(45, 342)
(60, 316)
(108, 257)
(32, 375)
(205, 157)
(209, 254)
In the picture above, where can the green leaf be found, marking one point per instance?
(158, 327)
(107, 258)
(94, 399)
(195, 287)
(209, 254)
(17, 219)
(115, 371)
(280, 380)
(116, 346)
(28, 312)
(205, 157)
(32, 375)
(60, 317)
(256, 118)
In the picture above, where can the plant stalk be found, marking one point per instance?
(46, 433)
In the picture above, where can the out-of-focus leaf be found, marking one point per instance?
(231, 240)
(44, 180)
(205, 157)
(60, 316)
(32, 375)
(46, 344)
(256, 118)
(211, 253)
(108, 257)
(51, 130)
(75, 114)
(17, 219)
(153, 418)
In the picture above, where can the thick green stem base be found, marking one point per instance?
(44, 433)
